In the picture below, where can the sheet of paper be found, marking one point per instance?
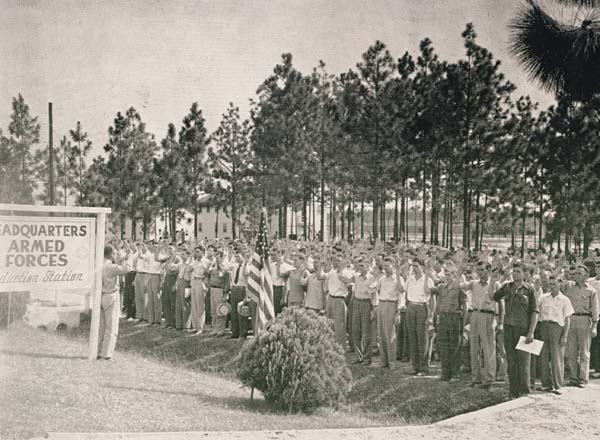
(534, 347)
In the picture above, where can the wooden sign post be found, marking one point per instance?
(58, 252)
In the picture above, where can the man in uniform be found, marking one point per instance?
(239, 274)
(584, 300)
(520, 319)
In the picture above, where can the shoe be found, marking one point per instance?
(595, 375)
(581, 385)
(376, 365)
(573, 384)
(108, 359)
(98, 357)
(367, 362)
(557, 392)
(421, 374)
(454, 380)
(544, 389)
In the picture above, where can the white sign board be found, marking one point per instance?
(46, 253)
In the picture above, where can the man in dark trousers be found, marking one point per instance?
(520, 319)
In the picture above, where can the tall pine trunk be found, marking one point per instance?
(396, 238)
(362, 218)
(424, 214)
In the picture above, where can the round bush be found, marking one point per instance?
(296, 363)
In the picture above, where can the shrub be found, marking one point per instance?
(296, 363)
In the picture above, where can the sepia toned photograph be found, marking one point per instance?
(299, 219)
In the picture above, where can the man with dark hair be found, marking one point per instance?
(520, 319)
(109, 305)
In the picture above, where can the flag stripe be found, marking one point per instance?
(260, 283)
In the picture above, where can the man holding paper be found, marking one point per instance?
(520, 319)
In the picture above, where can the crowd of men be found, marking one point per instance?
(401, 302)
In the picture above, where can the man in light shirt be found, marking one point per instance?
(337, 287)
(419, 315)
(584, 300)
(482, 331)
(109, 306)
(555, 316)
(199, 269)
(363, 302)
(140, 281)
(152, 304)
(279, 281)
(390, 299)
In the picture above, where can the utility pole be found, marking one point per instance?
(50, 157)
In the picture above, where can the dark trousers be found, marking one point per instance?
(236, 296)
(182, 305)
(535, 370)
(402, 347)
(416, 317)
(448, 337)
(129, 295)
(277, 297)
(168, 299)
(245, 323)
(595, 353)
(349, 304)
(361, 327)
(519, 362)
(207, 308)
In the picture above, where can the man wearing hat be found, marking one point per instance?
(584, 320)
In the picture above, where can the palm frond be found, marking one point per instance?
(583, 3)
(561, 57)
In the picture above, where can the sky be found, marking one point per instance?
(92, 59)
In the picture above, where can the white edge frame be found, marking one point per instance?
(100, 214)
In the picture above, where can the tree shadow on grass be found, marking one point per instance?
(256, 405)
(41, 355)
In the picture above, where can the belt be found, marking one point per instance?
(362, 299)
(336, 297)
(198, 278)
(416, 303)
(582, 314)
(143, 273)
(387, 301)
(216, 287)
(490, 312)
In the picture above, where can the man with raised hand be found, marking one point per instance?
(419, 315)
(363, 302)
(520, 319)
(109, 305)
(452, 308)
(584, 300)
(390, 299)
(482, 327)
(337, 288)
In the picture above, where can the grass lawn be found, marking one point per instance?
(163, 380)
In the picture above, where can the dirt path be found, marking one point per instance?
(574, 415)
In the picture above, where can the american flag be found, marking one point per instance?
(260, 284)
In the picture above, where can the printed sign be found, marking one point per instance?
(46, 253)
